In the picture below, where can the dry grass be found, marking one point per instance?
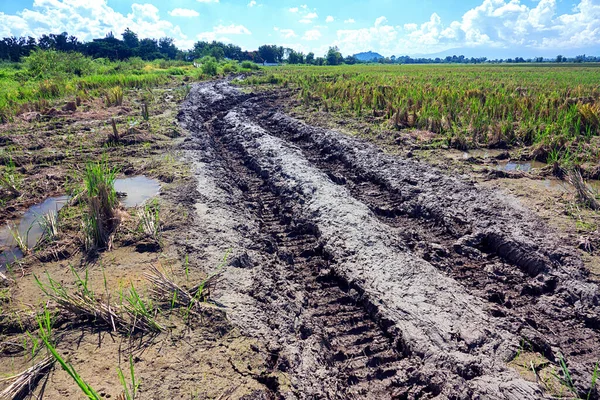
(164, 288)
(584, 194)
(24, 383)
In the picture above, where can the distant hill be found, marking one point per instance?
(512, 52)
(368, 56)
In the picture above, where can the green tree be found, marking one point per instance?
(334, 57)
(130, 38)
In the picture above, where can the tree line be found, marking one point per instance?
(130, 45)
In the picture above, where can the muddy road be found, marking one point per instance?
(369, 276)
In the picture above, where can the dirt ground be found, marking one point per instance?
(352, 263)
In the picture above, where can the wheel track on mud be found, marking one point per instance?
(510, 292)
(362, 358)
(359, 352)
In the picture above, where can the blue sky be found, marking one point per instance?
(391, 27)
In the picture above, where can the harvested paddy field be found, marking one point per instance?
(293, 252)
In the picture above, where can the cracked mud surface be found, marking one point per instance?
(370, 276)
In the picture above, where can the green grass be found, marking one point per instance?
(555, 107)
(100, 220)
(48, 75)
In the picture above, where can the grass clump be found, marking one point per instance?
(132, 315)
(114, 96)
(149, 221)
(101, 219)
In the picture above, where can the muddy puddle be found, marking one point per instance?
(524, 166)
(137, 190)
(29, 228)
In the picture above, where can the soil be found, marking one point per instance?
(348, 268)
(368, 275)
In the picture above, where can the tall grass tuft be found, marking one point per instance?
(101, 219)
(114, 96)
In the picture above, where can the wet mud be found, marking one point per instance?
(370, 276)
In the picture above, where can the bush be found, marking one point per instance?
(209, 66)
(229, 68)
(50, 63)
(250, 65)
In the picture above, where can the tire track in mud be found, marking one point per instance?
(548, 323)
(361, 358)
(341, 325)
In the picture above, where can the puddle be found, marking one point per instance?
(525, 166)
(138, 189)
(485, 154)
(29, 228)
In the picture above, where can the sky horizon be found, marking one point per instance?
(491, 28)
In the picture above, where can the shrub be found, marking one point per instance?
(229, 68)
(50, 63)
(209, 66)
(48, 89)
(249, 65)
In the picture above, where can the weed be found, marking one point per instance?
(84, 303)
(150, 220)
(85, 388)
(114, 96)
(134, 384)
(50, 226)
(11, 179)
(142, 311)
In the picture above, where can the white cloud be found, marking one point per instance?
(294, 9)
(252, 3)
(380, 21)
(349, 21)
(231, 30)
(183, 12)
(88, 20)
(286, 33)
(509, 24)
(207, 1)
(308, 18)
(329, 19)
(312, 34)
(220, 30)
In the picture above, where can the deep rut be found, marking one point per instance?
(355, 346)
(371, 277)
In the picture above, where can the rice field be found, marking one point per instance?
(46, 75)
(556, 108)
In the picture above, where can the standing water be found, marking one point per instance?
(525, 166)
(137, 189)
(29, 228)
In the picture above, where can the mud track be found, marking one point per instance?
(370, 276)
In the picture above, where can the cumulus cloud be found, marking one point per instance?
(309, 17)
(294, 9)
(219, 31)
(88, 20)
(252, 3)
(183, 12)
(349, 21)
(313, 34)
(329, 19)
(286, 33)
(232, 30)
(492, 24)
